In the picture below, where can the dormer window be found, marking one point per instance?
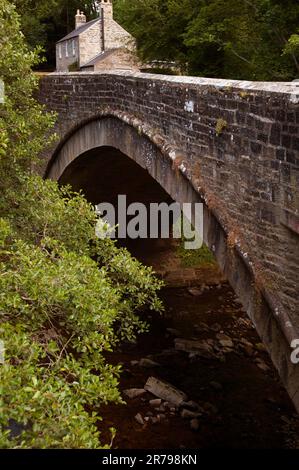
(74, 47)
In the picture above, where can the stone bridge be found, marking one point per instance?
(232, 145)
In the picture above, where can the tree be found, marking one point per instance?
(241, 39)
(43, 22)
(66, 296)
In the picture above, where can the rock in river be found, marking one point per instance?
(165, 391)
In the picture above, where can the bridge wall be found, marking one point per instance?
(237, 145)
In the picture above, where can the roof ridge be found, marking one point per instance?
(78, 31)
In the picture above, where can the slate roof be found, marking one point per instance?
(79, 31)
(98, 58)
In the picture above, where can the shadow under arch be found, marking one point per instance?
(168, 167)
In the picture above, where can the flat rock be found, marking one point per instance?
(201, 348)
(187, 414)
(225, 341)
(134, 392)
(195, 291)
(261, 347)
(190, 405)
(262, 365)
(155, 402)
(246, 342)
(148, 363)
(165, 391)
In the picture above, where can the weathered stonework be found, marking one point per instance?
(114, 60)
(245, 168)
(66, 60)
(116, 36)
(90, 43)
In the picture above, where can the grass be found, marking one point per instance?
(192, 258)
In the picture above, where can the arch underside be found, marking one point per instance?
(109, 131)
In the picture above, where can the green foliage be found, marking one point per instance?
(195, 258)
(21, 117)
(55, 298)
(45, 21)
(239, 39)
(292, 46)
(66, 297)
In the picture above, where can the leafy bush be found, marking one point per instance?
(66, 297)
(59, 314)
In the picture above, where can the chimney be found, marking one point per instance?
(106, 7)
(80, 19)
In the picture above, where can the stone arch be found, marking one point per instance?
(170, 168)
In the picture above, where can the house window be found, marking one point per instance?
(74, 47)
(66, 49)
(59, 51)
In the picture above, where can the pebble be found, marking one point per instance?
(210, 408)
(195, 291)
(139, 419)
(190, 405)
(261, 347)
(148, 363)
(155, 420)
(246, 343)
(225, 341)
(134, 363)
(187, 414)
(261, 365)
(134, 392)
(215, 327)
(156, 402)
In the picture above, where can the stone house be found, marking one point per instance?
(100, 44)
